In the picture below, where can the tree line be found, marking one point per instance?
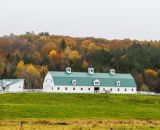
(30, 56)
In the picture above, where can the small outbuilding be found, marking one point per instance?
(89, 82)
(12, 85)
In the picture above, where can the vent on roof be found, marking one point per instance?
(68, 70)
(112, 72)
(90, 70)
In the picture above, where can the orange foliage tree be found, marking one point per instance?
(150, 72)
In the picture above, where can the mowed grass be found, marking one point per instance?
(79, 106)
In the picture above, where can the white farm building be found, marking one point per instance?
(12, 85)
(89, 82)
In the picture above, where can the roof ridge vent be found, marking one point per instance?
(112, 72)
(91, 70)
(68, 70)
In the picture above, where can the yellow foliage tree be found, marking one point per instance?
(71, 42)
(31, 69)
(89, 46)
(74, 55)
(20, 64)
(53, 55)
(32, 74)
(150, 72)
(85, 64)
(48, 47)
(43, 70)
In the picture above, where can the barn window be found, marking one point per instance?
(48, 81)
(104, 89)
(66, 88)
(89, 89)
(96, 82)
(74, 82)
(118, 89)
(92, 70)
(118, 83)
(52, 88)
(111, 89)
(125, 90)
(73, 88)
(58, 88)
(132, 89)
(81, 88)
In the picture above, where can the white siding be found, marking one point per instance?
(48, 83)
(129, 90)
(16, 87)
(70, 89)
(90, 89)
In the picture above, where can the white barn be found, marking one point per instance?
(89, 82)
(12, 85)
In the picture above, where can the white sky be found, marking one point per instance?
(111, 19)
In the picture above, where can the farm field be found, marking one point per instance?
(79, 111)
(80, 125)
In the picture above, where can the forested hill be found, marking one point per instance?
(30, 56)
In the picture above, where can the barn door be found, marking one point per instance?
(96, 90)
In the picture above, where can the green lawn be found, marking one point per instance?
(79, 106)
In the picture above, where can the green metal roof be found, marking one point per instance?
(85, 79)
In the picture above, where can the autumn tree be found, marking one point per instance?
(150, 72)
(44, 33)
(53, 54)
(89, 46)
(2, 67)
(33, 75)
(85, 64)
(48, 47)
(74, 56)
(62, 45)
(151, 79)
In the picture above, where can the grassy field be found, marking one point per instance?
(84, 106)
(80, 125)
(44, 107)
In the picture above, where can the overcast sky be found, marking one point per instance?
(111, 19)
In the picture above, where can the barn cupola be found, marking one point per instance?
(112, 72)
(68, 70)
(91, 70)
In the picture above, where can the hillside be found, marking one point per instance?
(79, 106)
(30, 56)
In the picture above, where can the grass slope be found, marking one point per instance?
(79, 106)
